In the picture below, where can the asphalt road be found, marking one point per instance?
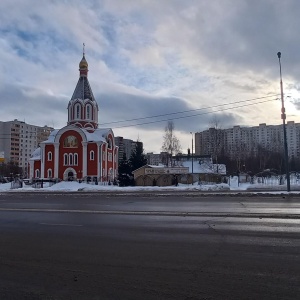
(138, 246)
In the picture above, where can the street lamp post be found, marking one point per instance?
(283, 117)
(192, 158)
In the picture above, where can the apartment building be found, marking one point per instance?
(248, 140)
(19, 139)
(125, 146)
(153, 159)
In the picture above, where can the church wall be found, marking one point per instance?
(37, 166)
(116, 158)
(104, 162)
(49, 164)
(110, 163)
(92, 163)
(70, 148)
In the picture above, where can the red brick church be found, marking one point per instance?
(80, 150)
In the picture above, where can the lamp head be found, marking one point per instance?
(279, 54)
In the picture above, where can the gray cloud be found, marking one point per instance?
(161, 109)
(148, 58)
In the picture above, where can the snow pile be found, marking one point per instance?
(73, 186)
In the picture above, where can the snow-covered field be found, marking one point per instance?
(75, 186)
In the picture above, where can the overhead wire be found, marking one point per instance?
(190, 110)
(194, 115)
(180, 112)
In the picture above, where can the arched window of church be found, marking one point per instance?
(49, 156)
(49, 173)
(66, 159)
(70, 113)
(75, 159)
(92, 155)
(78, 111)
(70, 159)
(109, 143)
(88, 112)
(37, 173)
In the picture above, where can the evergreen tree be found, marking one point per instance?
(124, 166)
(137, 158)
(125, 177)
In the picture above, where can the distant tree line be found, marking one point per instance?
(253, 159)
(10, 169)
(256, 161)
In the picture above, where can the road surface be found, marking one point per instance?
(139, 246)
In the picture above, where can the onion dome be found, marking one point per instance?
(83, 63)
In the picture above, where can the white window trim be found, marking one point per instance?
(70, 159)
(49, 156)
(78, 108)
(66, 159)
(49, 173)
(75, 159)
(88, 112)
(37, 173)
(92, 155)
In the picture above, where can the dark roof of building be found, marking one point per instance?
(83, 90)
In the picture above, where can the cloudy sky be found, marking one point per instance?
(150, 61)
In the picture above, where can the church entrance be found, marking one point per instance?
(70, 174)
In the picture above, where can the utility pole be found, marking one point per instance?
(283, 117)
(192, 158)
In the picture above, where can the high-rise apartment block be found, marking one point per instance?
(19, 139)
(126, 146)
(153, 159)
(156, 159)
(248, 140)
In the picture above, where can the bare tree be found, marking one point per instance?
(216, 139)
(239, 151)
(171, 144)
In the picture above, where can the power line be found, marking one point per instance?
(191, 110)
(164, 115)
(190, 116)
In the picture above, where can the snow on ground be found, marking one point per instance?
(75, 186)
(66, 186)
